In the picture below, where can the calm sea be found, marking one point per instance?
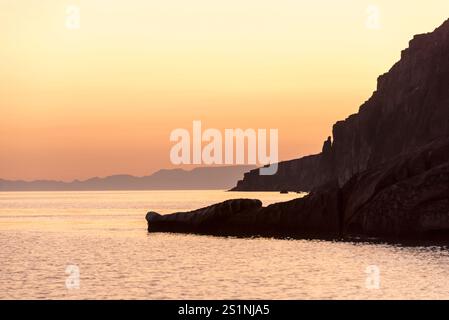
(94, 245)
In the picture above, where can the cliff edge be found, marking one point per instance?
(409, 109)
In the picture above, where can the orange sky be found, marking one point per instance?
(103, 99)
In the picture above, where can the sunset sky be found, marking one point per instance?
(103, 99)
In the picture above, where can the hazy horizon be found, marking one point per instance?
(184, 169)
(200, 178)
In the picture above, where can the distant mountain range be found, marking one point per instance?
(217, 178)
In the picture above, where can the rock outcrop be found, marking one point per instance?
(296, 175)
(206, 220)
(409, 109)
(405, 198)
(385, 175)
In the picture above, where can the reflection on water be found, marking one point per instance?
(103, 234)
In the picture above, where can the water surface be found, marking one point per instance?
(104, 235)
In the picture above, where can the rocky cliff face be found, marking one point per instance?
(409, 109)
(385, 175)
(404, 198)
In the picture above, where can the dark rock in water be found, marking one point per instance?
(409, 109)
(406, 198)
(205, 220)
(246, 217)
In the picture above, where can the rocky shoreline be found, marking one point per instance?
(406, 198)
(385, 175)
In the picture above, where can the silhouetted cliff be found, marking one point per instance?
(385, 175)
(409, 109)
(405, 198)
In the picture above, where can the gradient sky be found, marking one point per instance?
(103, 99)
